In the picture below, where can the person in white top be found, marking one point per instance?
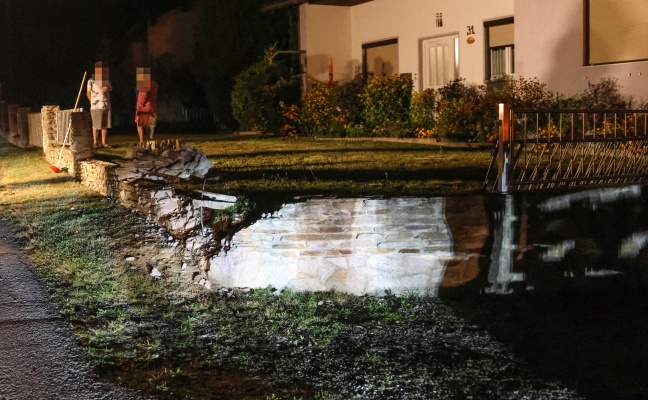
(98, 93)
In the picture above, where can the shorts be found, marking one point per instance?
(146, 120)
(101, 119)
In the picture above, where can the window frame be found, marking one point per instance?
(371, 45)
(586, 41)
(487, 48)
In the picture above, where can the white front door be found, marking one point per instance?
(440, 58)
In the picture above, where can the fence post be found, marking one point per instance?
(504, 144)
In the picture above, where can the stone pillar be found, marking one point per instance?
(48, 122)
(4, 117)
(12, 111)
(81, 139)
(22, 127)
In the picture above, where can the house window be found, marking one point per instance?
(440, 61)
(616, 31)
(500, 49)
(380, 58)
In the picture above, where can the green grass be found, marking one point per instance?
(263, 167)
(172, 340)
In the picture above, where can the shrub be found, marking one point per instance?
(319, 109)
(258, 91)
(355, 130)
(349, 100)
(470, 112)
(463, 113)
(289, 120)
(422, 109)
(386, 101)
(519, 93)
(604, 95)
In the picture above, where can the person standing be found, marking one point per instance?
(98, 93)
(146, 107)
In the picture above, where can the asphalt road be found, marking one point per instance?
(39, 357)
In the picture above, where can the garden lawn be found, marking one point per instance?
(174, 339)
(266, 167)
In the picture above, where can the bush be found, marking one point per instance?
(289, 120)
(331, 111)
(470, 112)
(520, 93)
(423, 109)
(464, 114)
(386, 101)
(319, 109)
(603, 95)
(349, 100)
(258, 92)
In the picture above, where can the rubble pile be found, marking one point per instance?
(143, 181)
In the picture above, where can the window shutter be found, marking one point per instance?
(500, 35)
(617, 31)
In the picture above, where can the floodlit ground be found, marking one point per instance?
(262, 166)
(174, 339)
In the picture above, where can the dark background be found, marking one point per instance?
(46, 45)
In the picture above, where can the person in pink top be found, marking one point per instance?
(146, 107)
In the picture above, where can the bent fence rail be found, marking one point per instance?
(540, 149)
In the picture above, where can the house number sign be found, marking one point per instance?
(470, 30)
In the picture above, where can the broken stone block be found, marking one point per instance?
(218, 196)
(212, 204)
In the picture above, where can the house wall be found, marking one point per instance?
(325, 31)
(341, 31)
(549, 40)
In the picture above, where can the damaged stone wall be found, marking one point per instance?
(358, 246)
(142, 181)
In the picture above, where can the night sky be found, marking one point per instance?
(46, 45)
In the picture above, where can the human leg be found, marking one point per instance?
(140, 132)
(106, 123)
(104, 134)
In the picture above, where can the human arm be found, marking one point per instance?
(89, 90)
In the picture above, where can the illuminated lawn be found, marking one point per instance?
(258, 166)
(173, 339)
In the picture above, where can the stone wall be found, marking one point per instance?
(48, 124)
(80, 135)
(22, 127)
(14, 124)
(352, 245)
(99, 176)
(143, 182)
(4, 116)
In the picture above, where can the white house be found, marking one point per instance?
(564, 43)
(567, 43)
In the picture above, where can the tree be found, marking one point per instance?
(231, 36)
(46, 45)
